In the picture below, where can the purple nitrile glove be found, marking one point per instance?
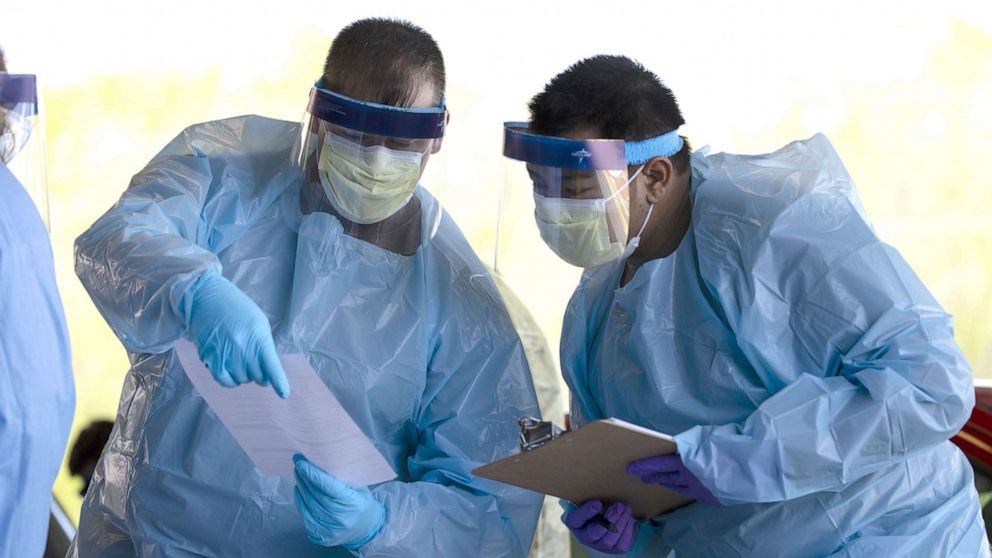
(670, 472)
(592, 531)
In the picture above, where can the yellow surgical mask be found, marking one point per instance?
(578, 230)
(367, 184)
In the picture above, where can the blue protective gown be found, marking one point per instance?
(418, 349)
(37, 396)
(812, 380)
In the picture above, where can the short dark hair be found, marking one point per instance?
(384, 61)
(617, 96)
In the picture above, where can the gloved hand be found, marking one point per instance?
(670, 472)
(233, 336)
(335, 514)
(589, 527)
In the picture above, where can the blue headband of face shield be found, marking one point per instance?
(596, 154)
(19, 88)
(374, 118)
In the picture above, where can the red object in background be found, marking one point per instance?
(975, 439)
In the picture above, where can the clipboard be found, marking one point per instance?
(590, 463)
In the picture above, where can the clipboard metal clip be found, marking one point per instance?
(535, 433)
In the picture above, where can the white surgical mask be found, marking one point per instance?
(367, 184)
(578, 229)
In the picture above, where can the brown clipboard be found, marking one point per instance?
(591, 464)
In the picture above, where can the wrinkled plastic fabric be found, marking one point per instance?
(811, 379)
(418, 349)
(37, 395)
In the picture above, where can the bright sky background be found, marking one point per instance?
(903, 89)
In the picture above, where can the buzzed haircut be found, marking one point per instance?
(614, 95)
(384, 61)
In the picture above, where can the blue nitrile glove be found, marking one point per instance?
(233, 336)
(670, 472)
(335, 514)
(591, 526)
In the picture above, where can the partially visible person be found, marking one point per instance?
(37, 395)
(250, 235)
(745, 305)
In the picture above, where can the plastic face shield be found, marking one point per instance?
(374, 146)
(561, 171)
(22, 143)
(571, 183)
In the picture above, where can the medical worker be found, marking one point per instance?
(37, 395)
(745, 305)
(253, 237)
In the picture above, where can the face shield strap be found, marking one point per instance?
(564, 153)
(665, 145)
(377, 119)
(19, 89)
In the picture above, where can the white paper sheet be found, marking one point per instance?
(271, 429)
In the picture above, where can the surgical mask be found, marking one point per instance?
(578, 230)
(367, 184)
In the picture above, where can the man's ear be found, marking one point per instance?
(436, 146)
(659, 175)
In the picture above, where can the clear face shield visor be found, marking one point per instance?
(22, 141)
(365, 159)
(580, 190)
(577, 192)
